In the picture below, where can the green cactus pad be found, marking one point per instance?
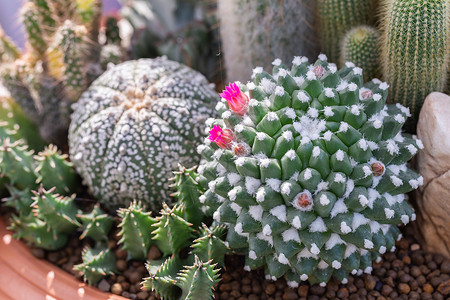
(136, 230)
(97, 263)
(209, 245)
(133, 126)
(319, 189)
(96, 224)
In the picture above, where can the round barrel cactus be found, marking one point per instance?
(134, 125)
(307, 167)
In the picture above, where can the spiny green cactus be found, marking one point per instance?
(308, 170)
(256, 32)
(33, 27)
(336, 17)
(20, 200)
(8, 49)
(96, 224)
(360, 46)
(210, 245)
(138, 120)
(97, 263)
(136, 231)
(415, 50)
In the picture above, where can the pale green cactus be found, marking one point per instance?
(96, 224)
(97, 263)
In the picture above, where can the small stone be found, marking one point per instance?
(445, 267)
(415, 247)
(317, 290)
(369, 282)
(406, 260)
(405, 278)
(386, 290)
(53, 257)
(246, 289)
(153, 253)
(104, 285)
(303, 290)
(142, 295)
(417, 259)
(428, 288)
(290, 295)
(38, 252)
(444, 288)
(116, 288)
(403, 288)
(415, 271)
(270, 289)
(121, 254)
(121, 265)
(343, 293)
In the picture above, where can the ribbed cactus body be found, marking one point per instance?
(96, 224)
(336, 17)
(8, 49)
(310, 179)
(360, 46)
(256, 32)
(33, 27)
(415, 50)
(134, 125)
(97, 263)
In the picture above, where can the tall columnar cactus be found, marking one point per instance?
(62, 58)
(308, 170)
(360, 46)
(256, 32)
(415, 50)
(138, 121)
(336, 17)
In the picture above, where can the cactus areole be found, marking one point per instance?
(134, 125)
(311, 178)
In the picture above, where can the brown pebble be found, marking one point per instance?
(428, 288)
(303, 290)
(53, 257)
(121, 265)
(134, 277)
(414, 285)
(415, 247)
(425, 296)
(369, 282)
(414, 296)
(432, 265)
(435, 281)
(405, 278)
(343, 293)
(403, 244)
(317, 290)
(386, 290)
(142, 295)
(444, 288)
(125, 285)
(406, 260)
(352, 288)
(270, 289)
(116, 288)
(417, 259)
(38, 252)
(153, 253)
(290, 295)
(445, 267)
(235, 293)
(246, 289)
(415, 271)
(226, 277)
(120, 253)
(133, 289)
(253, 297)
(103, 285)
(421, 280)
(225, 287)
(403, 288)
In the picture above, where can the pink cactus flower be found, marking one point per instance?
(222, 137)
(237, 100)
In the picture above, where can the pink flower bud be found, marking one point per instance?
(222, 137)
(237, 100)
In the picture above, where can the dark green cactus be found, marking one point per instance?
(9, 52)
(360, 46)
(20, 200)
(96, 224)
(210, 245)
(97, 263)
(33, 27)
(415, 50)
(308, 170)
(136, 231)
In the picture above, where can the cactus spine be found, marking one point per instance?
(360, 46)
(256, 32)
(97, 263)
(336, 17)
(415, 50)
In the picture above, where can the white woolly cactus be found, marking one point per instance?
(134, 125)
(307, 167)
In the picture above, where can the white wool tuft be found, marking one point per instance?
(286, 188)
(264, 163)
(261, 136)
(279, 212)
(376, 81)
(201, 148)
(216, 216)
(217, 154)
(329, 92)
(260, 195)
(240, 161)
(339, 178)
(362, 143)
(316, 151)
(336, 265)
(323, 57)
(412, 149)
(274, 184)
(314, 249)
(384, 86)
(302, 97)
(357, 71)
(257, 70)
(212, 185)
(290, 113)
(363, 200)
(342, 86)
(322, 265)
(252, 255)
(303, 277)
(256, 212)
(355, 110)
(306, 254)
(292, 284)
(396, 181)
(368, 244)
(220, 170)
(233, 178)
(307, 174)
(287, 135)
(349, 188)
(313, 112)
(334, 240)
(352, 87)
(414, 183)
(389, 213)
(272, 116)
(399, 118)
(253, 102)
(340, 155)
(238, 228)
(236, 208)
(332, 68)
(328, 111)
(345, 228)
(283, 259)
(374, 226)
(298, 60)
(395, 169)
(282, 73)
(226, 114)
(252, 184)
(405, 219)
(376, 97)
(239, 128)
(279, 91)
(377, 124)
(324, 200)
(323, 185)
(311, 75)
(267, 230)
(318, 225)
(233, 193)
(291, 235)
(350, 250)
(291, 154)
(419, 144)
(368, 270)
(268, 86)
(349, 64)
(382, 250)
(392, 147)
(299, 80)
(296, 222)
(327, 135)
(359, 220)
(344, 281)
(202, 199)
(343, 127)
(309, 129)
(339, 208)
(265, 237)
(276, 62)
(367, 171)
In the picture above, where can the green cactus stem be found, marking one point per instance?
(19, 199)
(33, 24)
(8, 49)
(360, 46)
(47, 17)
(415, 47)
(96, 224)
(97, 263)
(336, 17)
(209, 246)
(136, 228)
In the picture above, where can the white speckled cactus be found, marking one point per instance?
(307, 167)
(133, 126)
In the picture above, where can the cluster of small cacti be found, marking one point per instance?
(184, 31)
(307, 167)
(62, 58)
(133, 126)
(177, 275)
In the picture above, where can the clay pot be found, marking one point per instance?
(24, 276)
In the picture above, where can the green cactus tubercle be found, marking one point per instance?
(97, 263)
(96, 224)
(308, 170)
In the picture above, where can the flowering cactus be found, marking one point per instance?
(311, 179)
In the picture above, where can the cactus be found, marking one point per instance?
(62, 59)
(360, 46)
(96, 224)
(255, 32)
(97, 263)
(336, 17)
(19, 199)
(136, 231)
(138, 120)
(415, 47)
(308, 170)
